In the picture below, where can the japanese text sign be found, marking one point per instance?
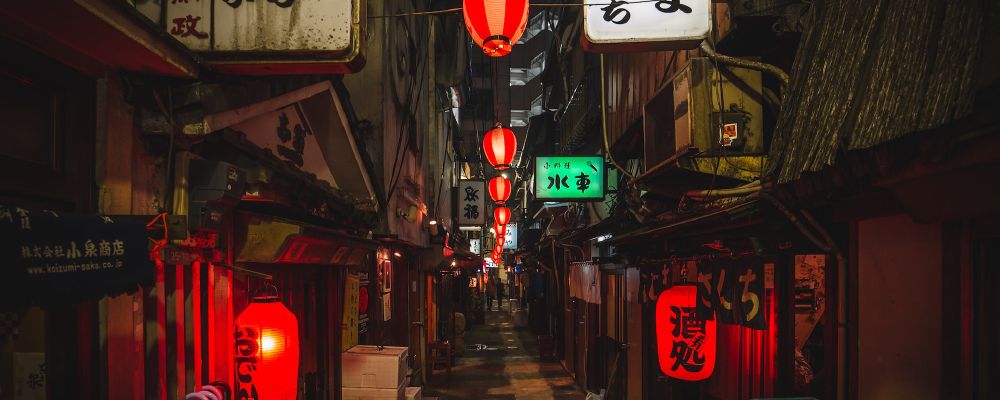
(570, 178)
(685, 345)
(50, 255)
(510, 237)
(644, 24)
(471, 202)
(733, 290)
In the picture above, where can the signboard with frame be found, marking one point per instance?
(471, 202)
(635, 25)
(570, 178)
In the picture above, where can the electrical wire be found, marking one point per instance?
(459, 9)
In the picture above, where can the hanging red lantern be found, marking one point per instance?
(267, 350)
(499, 229)
(495, 25)
(499, 190)
(499, 145)
(501, 215)
(685, 345)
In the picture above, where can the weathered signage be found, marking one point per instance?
(570, 178)
(732, 289)
(635, 25)
(471, 202)
(51, 256)
(271, 36)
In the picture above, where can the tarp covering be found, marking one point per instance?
(867, 72)
(585, 282)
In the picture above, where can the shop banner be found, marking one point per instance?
(732, 289)
(352, 288)
(56, 257)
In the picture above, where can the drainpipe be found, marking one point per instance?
(744, 63)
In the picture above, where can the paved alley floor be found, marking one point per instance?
(501, 362)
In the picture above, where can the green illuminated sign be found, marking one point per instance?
(570, 178)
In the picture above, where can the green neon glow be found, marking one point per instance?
(574, 178)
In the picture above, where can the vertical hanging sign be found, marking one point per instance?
(471, 204)
(685, 345)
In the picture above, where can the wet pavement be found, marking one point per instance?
(501, 362)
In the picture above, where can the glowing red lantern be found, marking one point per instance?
(267, 350)
(685, 345)
(501, 215)
(495, 25)
(499, 229)
(499, 145)
(499, 190)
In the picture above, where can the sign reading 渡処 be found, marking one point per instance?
(570, 178)
(634, 25)
(53, 256)
(471, 202)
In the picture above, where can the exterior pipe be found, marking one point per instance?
(604, 127)
(744, 63)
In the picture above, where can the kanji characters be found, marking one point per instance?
(187, 26)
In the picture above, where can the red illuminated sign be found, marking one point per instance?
(267, 351)
(685, 345)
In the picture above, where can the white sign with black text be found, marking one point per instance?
(632, 25)
(471, 202)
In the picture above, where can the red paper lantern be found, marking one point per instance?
(267, 350)
(685, 345)
(499, 190)
(499, 145)
(495, 25)
(499, 229)
(501, 215)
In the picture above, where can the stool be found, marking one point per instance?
(546, 347)
(440, 353)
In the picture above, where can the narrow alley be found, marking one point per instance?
(501, 362)
(327, 199)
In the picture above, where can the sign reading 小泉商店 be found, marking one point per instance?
(634, 25)
(271, 36)
(572, 178)
(54, 257)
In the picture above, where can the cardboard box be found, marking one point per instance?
(356, 393)
(414, 393)
(368, 367)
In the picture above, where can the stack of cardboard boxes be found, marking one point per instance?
(373, 373)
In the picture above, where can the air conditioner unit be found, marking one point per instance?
(704, 113)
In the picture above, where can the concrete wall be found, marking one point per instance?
(899, 309)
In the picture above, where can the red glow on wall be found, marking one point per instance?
(267, 351)
(685, 345)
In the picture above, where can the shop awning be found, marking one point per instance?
(52, 257)
(268, 239)
(95, 34)
(307, 129)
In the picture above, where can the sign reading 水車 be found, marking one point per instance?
(633, 25)
(570, 178)
(471, 202)
(49, 255)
